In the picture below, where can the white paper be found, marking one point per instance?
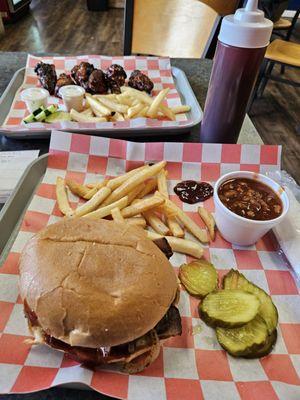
(12, 166)
(288, 233)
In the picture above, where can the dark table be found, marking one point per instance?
(198, 72)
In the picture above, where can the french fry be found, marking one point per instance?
(97, 107)
(110, 96)
(162, 183)
(113, 105)
(136, 94)
(135, 192)
(125, 99)
(150, 186)
(180, 245)
(138, 221)
(62, 197)
(141, 206)
(145, 98)
(180, 109)
(134, 110)
(153, 109)
(156, 223)
(77, 188)
(95, 189)
(93, 203)
(174, 227)
(167, 112)
(209, 221)
(116, 215)
(105, 211)
(88, 111)
(116, 182)
(133, 181)
(190, 225)
(117, 117)
(80, 117)
(142, 113)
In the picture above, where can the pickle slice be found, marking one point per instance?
(246, 340)
(198, 277)
(265, 348)
(267, 309)
(229, 308)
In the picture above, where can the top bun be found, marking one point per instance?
(96, 283)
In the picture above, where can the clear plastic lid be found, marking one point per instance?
(247, 28)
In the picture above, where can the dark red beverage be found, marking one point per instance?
(234, 74)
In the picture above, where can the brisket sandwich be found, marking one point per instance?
(100, 291)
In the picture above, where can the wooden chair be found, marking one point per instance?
(284, 27)
(281, 52)
(174, 28)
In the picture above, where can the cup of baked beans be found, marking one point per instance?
(247, 206)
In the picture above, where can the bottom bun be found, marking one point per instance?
(132, 364)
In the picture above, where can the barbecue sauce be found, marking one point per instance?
(192, 192)
(250, 198)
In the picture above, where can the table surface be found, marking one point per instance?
(198, 72)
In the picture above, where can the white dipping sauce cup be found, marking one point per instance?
(34, 98)
(239, 230)
(72, 96)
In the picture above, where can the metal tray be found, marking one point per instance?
(182, 85)
(13, 210)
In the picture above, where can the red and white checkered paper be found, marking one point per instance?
(192, 366)
(158, 69)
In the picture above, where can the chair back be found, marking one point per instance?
(173, 28)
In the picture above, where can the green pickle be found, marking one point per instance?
(229, 308)
(267, 310)
(265, 348)
(246, 340)
(198, 277)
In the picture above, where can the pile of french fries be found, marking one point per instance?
(139, 197)
(131, 103)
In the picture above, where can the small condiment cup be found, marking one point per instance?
(34, 98)
(72, 96)
(239, 230)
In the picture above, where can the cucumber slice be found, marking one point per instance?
(58, 116)
(229, 308)
(198, 277)
(265, 348)
(31, 117)
(45, 113)
(245, 340)
(267, 309)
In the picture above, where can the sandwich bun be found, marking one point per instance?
(95, 283)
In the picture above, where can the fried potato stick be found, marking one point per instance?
(172, 223)
(62, 197)
(77, 188)
(105, 211)
(150, 186)
(180, 245)
(133, 181)
(156, 223)
(116, 215)
(141, 206)
(116, 182)
(190, 225)
(93, 203)
(209, 221)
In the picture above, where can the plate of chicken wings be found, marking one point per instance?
(100, 95)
